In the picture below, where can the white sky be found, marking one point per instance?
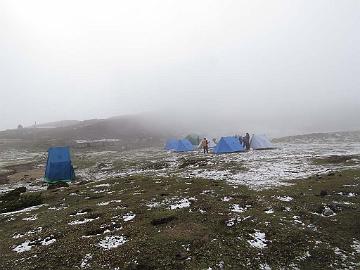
(277, 66)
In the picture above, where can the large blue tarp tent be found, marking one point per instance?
(228, 145)
(58, 165)
(183, 145)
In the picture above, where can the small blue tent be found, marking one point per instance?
(183, 145)
(171, 144)
(58, 165)
(228, 145)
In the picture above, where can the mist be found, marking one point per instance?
(279, 67)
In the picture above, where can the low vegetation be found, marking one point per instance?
(152, 222)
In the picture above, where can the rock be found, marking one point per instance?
(323, 193)
(57, 185)
(328, 212)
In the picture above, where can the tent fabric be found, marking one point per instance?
(228, 145)
(183, 145)
(260, 142)
(58, 165)
(171, 144)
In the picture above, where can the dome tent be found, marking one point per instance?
(260, 142)
(171, 144)
(228, 145)
(183, 145)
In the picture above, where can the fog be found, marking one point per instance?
(279, 67)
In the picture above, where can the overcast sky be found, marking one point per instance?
(269, 66)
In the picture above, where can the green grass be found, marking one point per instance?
(196, 237)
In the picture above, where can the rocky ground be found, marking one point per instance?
(126, 213)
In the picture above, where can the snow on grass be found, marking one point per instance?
(183, 203)
(284, 198)
(102, 185)
(35, 231)
(48, 241)
(153, 205)
(226, 199)
(110, 242)
(27, 245)
(269, 211)
(129, 216)
(31, 218)
(238, 209)
(232, 221)
(356, 246)
(85, 261)
(28, 209)
(259, 240)
(82, 221)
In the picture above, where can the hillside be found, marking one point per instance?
(334, 137)
(129, 130)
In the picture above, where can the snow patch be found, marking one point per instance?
(111, 242)
(259, 240)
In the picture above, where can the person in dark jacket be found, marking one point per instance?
(247, 141)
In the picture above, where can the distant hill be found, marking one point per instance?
(344, 136)
(128, 130)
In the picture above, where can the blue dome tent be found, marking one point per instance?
(171, 144)
(183, 145)
(58, 165)
(228, 145)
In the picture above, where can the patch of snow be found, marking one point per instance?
(284, 198)
(269, 211)
(128, 216)
(356, 246)
(259, 240)
(264, 266)
(183, 203)
(237, 209)
(85, 261)
(111, 242)
(31, 218)
(23, 247)
(103, 185)
(153, 205)
(28, 209)
(83, 221)
(48, 241)
(226, 199)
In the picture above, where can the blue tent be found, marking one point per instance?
(228, 145)
(58, 165)
(183, 145)
(171, 144)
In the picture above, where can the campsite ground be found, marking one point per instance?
(147, 218)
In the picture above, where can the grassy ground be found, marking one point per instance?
(175, 223)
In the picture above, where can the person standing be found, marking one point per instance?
(205, 145)
(247, 141)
